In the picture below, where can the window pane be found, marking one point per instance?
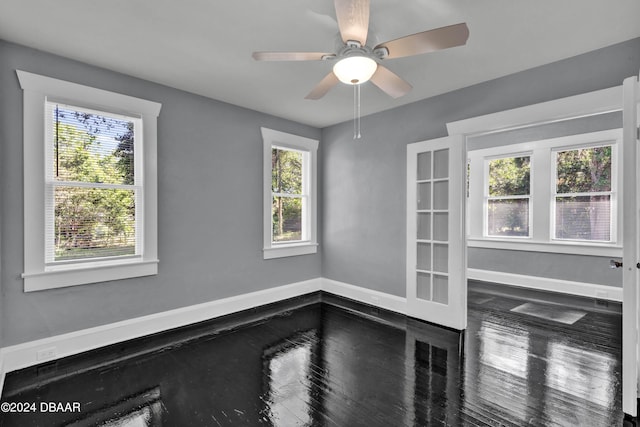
(441, 195)
(441, 257)
(287, 219)
(93, 223)
(441, 289)
(286, 171)
(509, 176)
(423, 286)
(424, 165)
(441, 163)
(441, 226)
(508, 217)
(584, 171)
(424, 195)
(91, 147)
(423, 255)
(424, 226)
(583, 218)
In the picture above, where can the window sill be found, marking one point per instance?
(76, 275)
(574, 248)
(294, 249)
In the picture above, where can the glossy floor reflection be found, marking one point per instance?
(337, 363)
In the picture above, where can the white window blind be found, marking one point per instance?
(93, 196)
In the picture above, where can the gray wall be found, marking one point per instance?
(577, 268)
(209, 208)
(364, 184)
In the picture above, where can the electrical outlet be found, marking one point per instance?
(46, 353)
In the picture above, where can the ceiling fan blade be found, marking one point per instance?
(321, 89)
(290, 56)
(390, 83)
(353, 19)
(427, 41)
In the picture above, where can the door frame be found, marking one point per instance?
(631, 249)
(578, 106)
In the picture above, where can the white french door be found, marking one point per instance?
(436, 247)
(631, 251)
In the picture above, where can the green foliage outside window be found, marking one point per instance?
(509, 176)
(585, 170)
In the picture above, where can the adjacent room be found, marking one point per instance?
(319, 213)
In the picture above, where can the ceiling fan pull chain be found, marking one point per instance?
(356, 112)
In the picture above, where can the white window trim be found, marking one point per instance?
(309, 147)
(541, 192)
(37, 276)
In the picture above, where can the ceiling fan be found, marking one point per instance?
(356, 63)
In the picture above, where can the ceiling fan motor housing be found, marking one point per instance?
(355, 48)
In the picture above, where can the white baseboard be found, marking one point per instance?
(364, 295)
(26, 354)
(545, 284)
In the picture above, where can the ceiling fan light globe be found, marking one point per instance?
(355, 70)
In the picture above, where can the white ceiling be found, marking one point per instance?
(205, 46)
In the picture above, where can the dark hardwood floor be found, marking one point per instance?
(325, 361)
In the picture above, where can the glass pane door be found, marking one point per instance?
(436, 276)
(432, 213)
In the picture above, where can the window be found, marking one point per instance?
(583, 194)
(508, 196)
(89, 184)
(572, 202)
(289, 194)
